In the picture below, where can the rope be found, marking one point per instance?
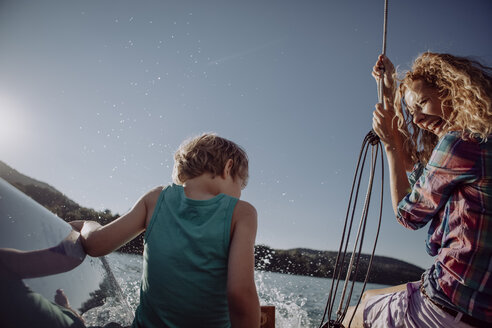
(385, 26)
(353, 267)
(377, 233)
(383, 50)
(370, 140)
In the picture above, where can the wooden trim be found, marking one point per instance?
(267, 316)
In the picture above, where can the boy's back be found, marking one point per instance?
(185, 262)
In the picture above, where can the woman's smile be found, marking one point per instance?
(424, 104)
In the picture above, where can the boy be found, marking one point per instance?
(198, 264)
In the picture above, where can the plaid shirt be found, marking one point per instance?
(454, 193)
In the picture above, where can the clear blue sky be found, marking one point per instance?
(95, 97)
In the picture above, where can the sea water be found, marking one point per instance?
(299, 300)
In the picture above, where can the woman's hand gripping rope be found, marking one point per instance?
(384, 123)
(384, 69)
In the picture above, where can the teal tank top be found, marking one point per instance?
(186, 249)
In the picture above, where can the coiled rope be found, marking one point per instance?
(370, 140)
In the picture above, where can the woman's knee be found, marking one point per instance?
(368, 294)
(388, 290)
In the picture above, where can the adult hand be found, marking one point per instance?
(84, 225)
(77, 225)
(384, 69)
(384, 123)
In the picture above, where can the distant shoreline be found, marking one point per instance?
(314, 263)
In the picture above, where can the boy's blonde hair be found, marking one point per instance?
(463, 84)
(209, 153)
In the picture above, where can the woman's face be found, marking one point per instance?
(424, 104)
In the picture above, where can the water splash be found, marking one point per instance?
(299, 300)
(289, 307)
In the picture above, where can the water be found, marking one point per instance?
(299, 301)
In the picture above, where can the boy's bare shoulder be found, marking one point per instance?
(244, 219)
(157, 190)
(151, 197)
(245, 209)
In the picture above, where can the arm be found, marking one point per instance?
(44, 262)
(399, 162)
(384, 119)
(399, 184)
(101, 240)
(244, 306)
(454, 163)
(385, 126)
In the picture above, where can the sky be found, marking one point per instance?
(96, 96)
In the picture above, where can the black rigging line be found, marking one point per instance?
(370, 140)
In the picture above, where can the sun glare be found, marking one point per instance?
(11, 126)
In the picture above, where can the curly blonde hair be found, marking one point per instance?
(209, 153)
(463, 84)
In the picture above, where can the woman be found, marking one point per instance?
(438, 122)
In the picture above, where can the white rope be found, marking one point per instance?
(383, 50)
(385, 24)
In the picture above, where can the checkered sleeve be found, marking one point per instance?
(452, 163)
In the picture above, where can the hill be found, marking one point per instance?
(315, 263)
(299, 261)
(61, 205)
(12, 176)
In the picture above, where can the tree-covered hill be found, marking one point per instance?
(308, 262)
(61, 205)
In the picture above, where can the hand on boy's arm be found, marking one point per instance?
(244, 306)
(77, 224)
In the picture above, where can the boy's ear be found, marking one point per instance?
(228, 167)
